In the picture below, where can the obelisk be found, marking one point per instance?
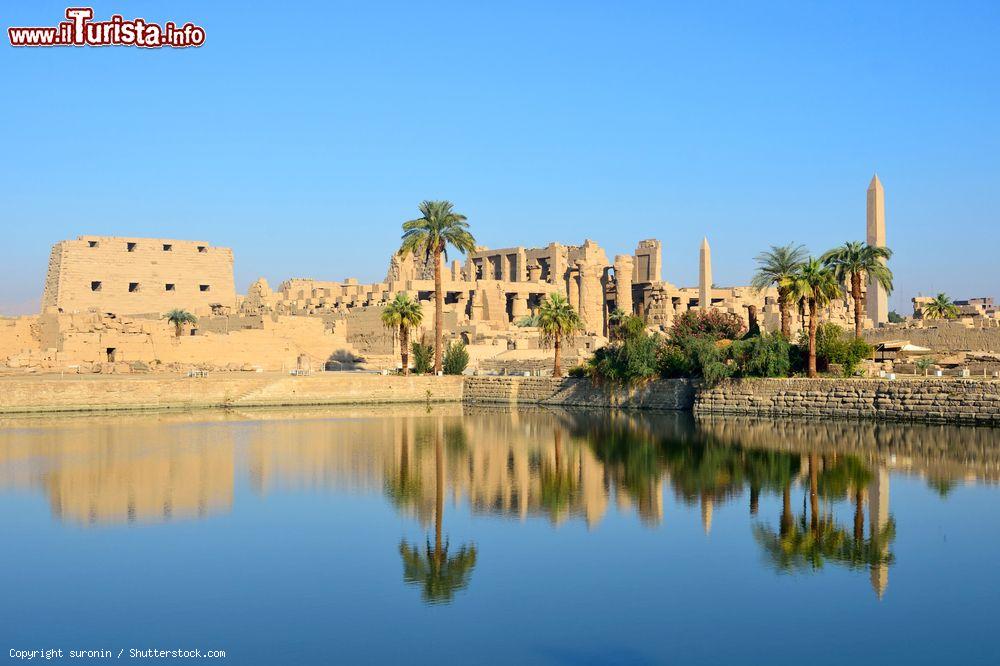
(876, 305)
(705, 276)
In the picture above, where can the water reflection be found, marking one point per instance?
(550, 465)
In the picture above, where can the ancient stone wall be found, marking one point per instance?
(667, 394)
(54, 394)
(942, 336)
(935, 400)
(138, 275)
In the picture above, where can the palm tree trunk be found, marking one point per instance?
(404, 343)
(856, 295)
(558, 445)
(786, 315)
(178, 329)
(438, 310)
(813, 492)
(859, 515)
(812, 337)
(438, 493)
(787, 519)
(556, 367)
(754, 499)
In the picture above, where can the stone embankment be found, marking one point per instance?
(933, 400)
(96, 393)
(667, 394)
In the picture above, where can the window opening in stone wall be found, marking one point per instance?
(170, 286)
(95, 285)
(133, 287)
(167, 247)
(130, 247)
(202, 249)
(204, 287)
(92, 243)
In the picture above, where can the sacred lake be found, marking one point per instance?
(459, 534)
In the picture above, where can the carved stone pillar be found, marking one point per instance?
(623, 282)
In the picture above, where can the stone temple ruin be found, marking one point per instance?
(105, 298)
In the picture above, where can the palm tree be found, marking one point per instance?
(402, 314)
(940, 307)
(557, 321)
(615, 319)
(852, 260)
(178, 318)
(818, 285)
(776, 266)
(430, 235)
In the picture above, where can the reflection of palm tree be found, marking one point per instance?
(798, 546)
(439, 574)
(558, 484)
(402, 488)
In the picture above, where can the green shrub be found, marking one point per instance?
(632, 360)
(456, 359)
(423, 358)
(578, 371)
(767, 355)
(714, 324)
(834, 345)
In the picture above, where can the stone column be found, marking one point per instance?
(519, 307)
(476, 308)
(623, 282)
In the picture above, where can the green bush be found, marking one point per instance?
(634, 359)
(423, 358)
(456, 359)
(713, 324)
(578, 371)
(834, 345)
(767, 355)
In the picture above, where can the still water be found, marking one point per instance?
(487, 536)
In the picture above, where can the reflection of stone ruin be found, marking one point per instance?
(105, 298)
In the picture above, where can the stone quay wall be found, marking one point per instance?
(664, 394)
(931, 400)
(97, 393)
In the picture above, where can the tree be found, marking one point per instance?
(817, 284)
(429, 236)
(777, 266)
(850, 262)
(456, 359)
(940, 307)
(178, 318)
(615, 319)
(402, 314)
(557, 321)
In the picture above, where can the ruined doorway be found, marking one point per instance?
(111, 353)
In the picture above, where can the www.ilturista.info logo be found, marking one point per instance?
(81, 30)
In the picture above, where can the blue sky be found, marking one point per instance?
(302, 134)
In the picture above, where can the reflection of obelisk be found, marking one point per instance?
(878, 517)
(876, 306)
(706, 513)
(705, 276)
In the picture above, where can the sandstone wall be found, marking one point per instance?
(666, 394)
(97, 271)
(943, 336)
(55, 394)
(935, 400)
(66, 340)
